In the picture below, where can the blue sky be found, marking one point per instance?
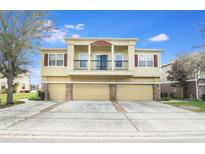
(172, 31)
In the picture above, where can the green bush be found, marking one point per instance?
(4, 91)
(166, 98)
(41, 95)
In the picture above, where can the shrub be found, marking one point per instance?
(27, 91)
(41, 95)
(4, 91)
(166, 98)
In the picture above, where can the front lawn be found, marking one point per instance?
(17, 96)
(196, 106)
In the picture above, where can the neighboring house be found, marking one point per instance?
(101, 69)
(21, 83)
(192, 89)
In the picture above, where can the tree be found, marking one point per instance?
(195, 65)
(19, 33)
(178, 75)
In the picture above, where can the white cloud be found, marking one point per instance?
(75, 36)
(57, 35)
(75, 27)
(159, 38)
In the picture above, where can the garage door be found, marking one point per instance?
(90, 92)
(56, 91)
(134, 92)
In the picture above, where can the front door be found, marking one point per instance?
(101, 62)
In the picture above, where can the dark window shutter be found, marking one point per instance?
(46, 59)
(155, 61)
(136, 60)
(65, 59)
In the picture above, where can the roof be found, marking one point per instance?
(166, 64)
(99, 38)
(142, 49)
(53, 49)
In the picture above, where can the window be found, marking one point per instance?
(56, 59)
(83, 60)
(145, 61)
(118, 60)
(59, 59)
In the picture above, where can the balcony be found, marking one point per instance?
(101, 65)
(80, 64)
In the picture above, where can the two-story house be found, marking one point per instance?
(195, 88)
(101, 69)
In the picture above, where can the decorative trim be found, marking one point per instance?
(155, 50)
(102, 82)
(101, 43)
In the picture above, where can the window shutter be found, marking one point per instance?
(46, 59)
(65, 59)
(136, 60)
(155, 61)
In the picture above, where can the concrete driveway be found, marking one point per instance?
(100, 121)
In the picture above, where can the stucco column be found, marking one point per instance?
(131, 52)
(44, 87)
(69, 91)
(156, 92)
(112, 58)
(70, 57)
(89, 57)
(113, 92)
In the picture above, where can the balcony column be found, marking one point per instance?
(89, 57)
(113, 56)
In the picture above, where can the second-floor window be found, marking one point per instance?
(118, 60)
(145, 60)
(56, 59)
(83, 60)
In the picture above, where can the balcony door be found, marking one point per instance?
(101, 62)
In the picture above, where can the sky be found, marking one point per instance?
(172, 31)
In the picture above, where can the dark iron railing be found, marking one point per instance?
(100, 65)
(121, 65)
(80, 64)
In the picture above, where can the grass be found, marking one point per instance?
(16, 97)
(196, 106)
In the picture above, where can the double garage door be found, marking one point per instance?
(101, 92)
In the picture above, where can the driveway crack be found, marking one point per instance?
(119, 108)
(47, 109)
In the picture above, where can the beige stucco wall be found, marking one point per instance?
(52, 70)
(147, 71)
(89, 78)
(123, 46)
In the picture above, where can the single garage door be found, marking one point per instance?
(90, 92)
(134, 92)
(57, 91)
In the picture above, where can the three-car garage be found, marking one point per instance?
(92, 91)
